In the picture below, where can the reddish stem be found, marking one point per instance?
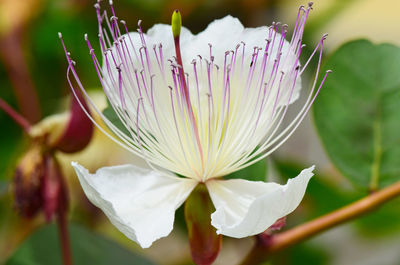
(62, 224)
(21, 121)
(11, 52)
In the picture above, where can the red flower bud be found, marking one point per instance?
(79, 131)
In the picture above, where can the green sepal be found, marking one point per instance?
(205, 243)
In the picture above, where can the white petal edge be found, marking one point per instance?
(140, 202)
(245, 208)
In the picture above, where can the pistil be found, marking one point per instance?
(176, 23)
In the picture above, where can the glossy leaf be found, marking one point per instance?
(357, 113)
(43, 248)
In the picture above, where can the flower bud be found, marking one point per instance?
(205, 244)
(39, 185)
(28, 183)
(79, 130)
(265, 237)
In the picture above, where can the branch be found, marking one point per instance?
(278, 242)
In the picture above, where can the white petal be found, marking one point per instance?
(141, 203)
(245, 208)
(223, 34)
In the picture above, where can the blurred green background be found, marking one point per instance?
(32, 58)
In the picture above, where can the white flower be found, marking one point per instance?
(218, 114)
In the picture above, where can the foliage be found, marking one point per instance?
(43, 248)
(357, 113)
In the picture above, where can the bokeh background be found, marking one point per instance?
(32, 59)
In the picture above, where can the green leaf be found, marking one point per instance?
(43, 248)
(357, 113)
(255, 172)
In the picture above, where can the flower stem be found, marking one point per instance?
(18, 118)
(62, 225)
(12, 55)
(281, 241)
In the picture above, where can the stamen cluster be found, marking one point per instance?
(200, 115)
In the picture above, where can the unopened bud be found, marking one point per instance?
(278, 225)
(28, 181)
(265, 238)
(39, 185)
(79, 130)
(67, 132)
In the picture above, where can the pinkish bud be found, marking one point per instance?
(28, 183)
(79, 131)
(278, 225)
(265, 237)
(205, 244)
